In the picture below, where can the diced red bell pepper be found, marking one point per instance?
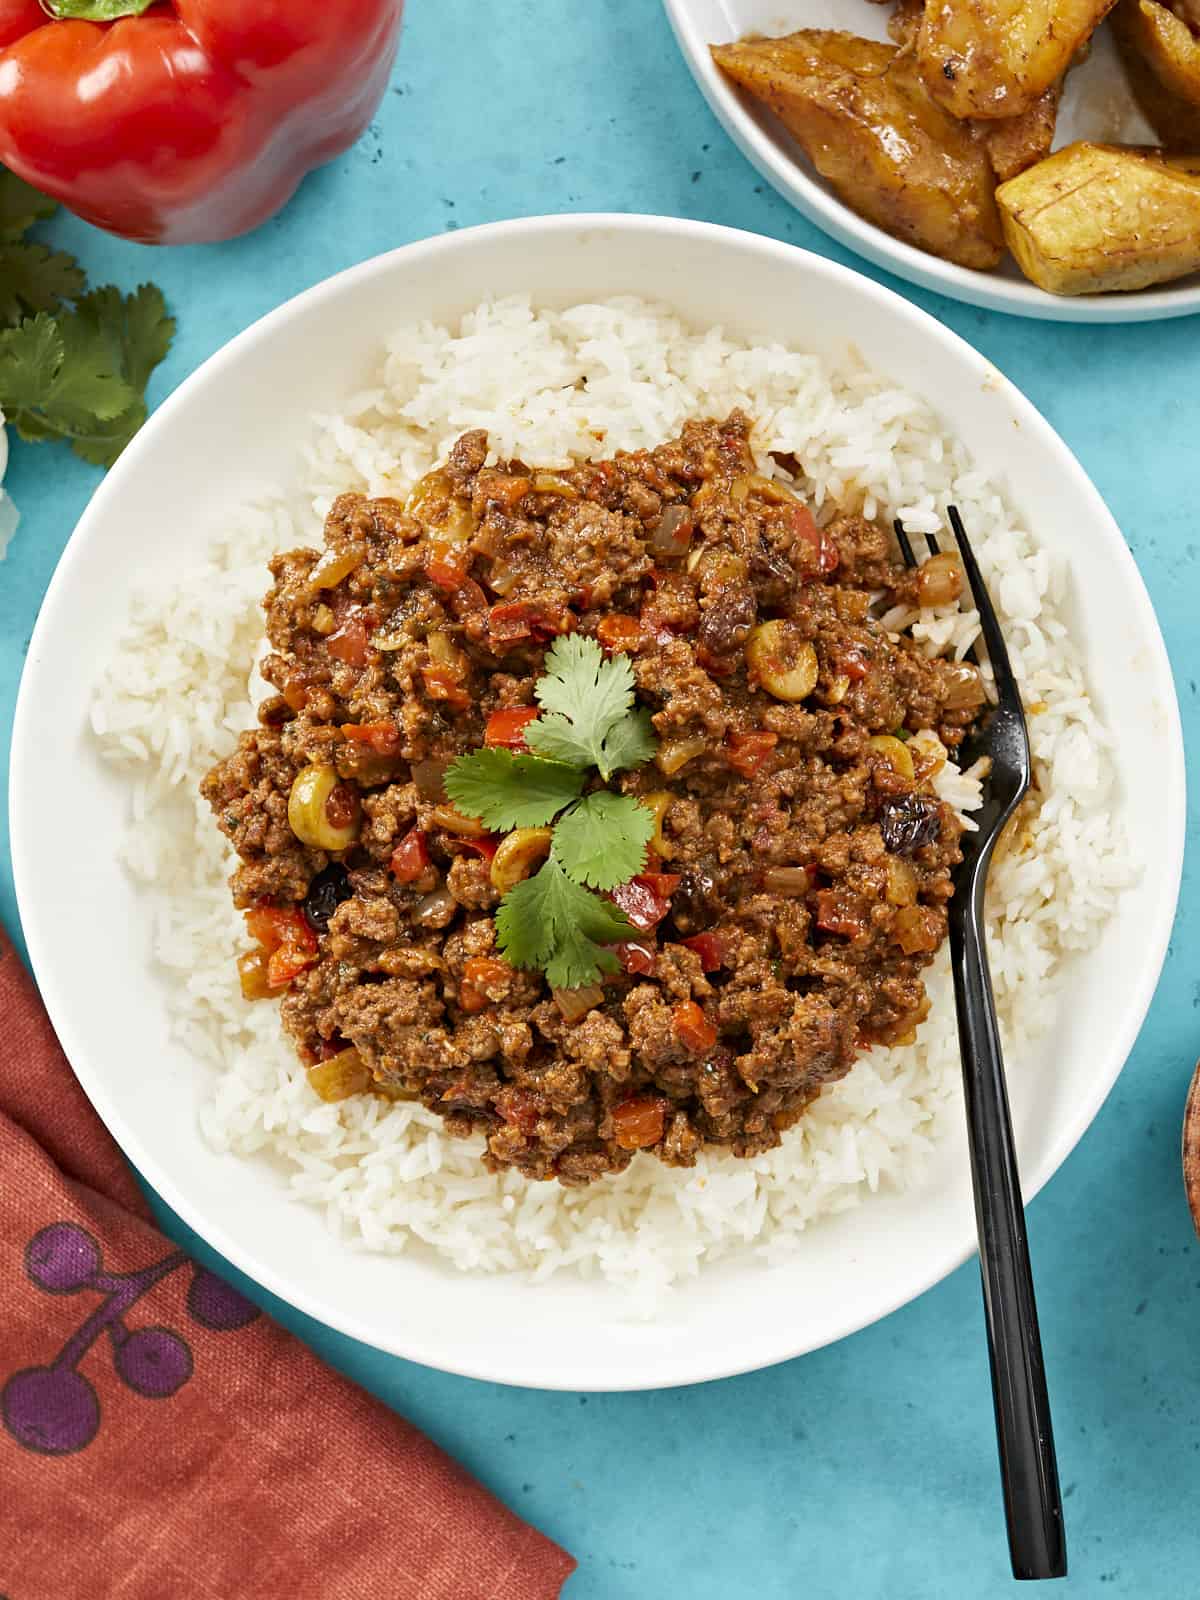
(692, 1028)
(837, 914)
(617, 632)
(505, 489)
(506, 729)
(642, 899)
(641, 905)
(442, 683)
(746, 752)
(446, 565)
(663, 883)
(273, 926)
(639, 1123)
(349, 643)
(709, 947)
(285, 935)
(527, 619)
(286, 963)
(194, 122)
(852, 664)
(821, 548)
(484, 981)
(410, 857)
(382, 737)
(485, 847)
(635, 956)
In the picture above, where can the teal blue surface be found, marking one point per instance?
(866, 1471)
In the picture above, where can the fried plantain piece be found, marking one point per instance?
(904, 24)
(1016, 143)
(1161, 56)
(862, 115)
(1094, 218)
(994, 58)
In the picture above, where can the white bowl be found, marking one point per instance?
(1096, 105)
(234, 426)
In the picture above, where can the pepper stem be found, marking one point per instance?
(94, 10)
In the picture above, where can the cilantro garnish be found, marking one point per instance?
(554, 920)
(588, 716)
(551, 922)
(74, 363)
(602, 841)
(509, 791)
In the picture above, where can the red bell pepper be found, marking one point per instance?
(506, 729)
(710, 949)
(646, 899)
(637, 956)
(692, 1028)
(410, 857)
(195, 121)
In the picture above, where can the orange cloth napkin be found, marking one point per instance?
(160, 1438)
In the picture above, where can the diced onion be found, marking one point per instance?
(940, 581)
(674, 532)
(676, 753)
(502, 579)
(435, 910)
(335, 565)
(966, 687)
(576, 1003)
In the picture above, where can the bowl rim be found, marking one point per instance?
(37, 922)
(1014, 297)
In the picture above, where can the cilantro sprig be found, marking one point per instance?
(552, 922)
(74, 362)
(555, 920)
(588, 716)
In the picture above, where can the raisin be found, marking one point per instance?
(908, 822)
(325, 894)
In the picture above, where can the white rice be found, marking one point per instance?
(555, 387)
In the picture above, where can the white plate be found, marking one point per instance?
(236, 425)
(1097, 105)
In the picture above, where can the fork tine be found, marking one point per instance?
(1006, 683)
(906, 549)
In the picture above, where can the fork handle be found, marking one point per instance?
(1028, 1467)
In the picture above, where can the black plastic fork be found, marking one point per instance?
(1028, 1467)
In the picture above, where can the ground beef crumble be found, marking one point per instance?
(808, 858)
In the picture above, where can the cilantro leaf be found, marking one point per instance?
(602, 841)
(33, 278)
(138, 333)
(31, 356)
(579, 959)
(81, 375)
(505, 790)
(630, 742)
(585, 700)
(89, 386)
(136, 327)
(21, 205)
(549, 922)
